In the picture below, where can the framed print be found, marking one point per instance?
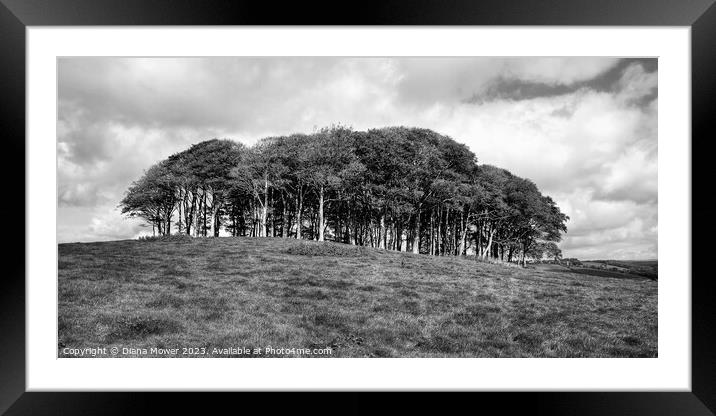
(404, 198)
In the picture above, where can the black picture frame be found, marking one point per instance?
(16, 15)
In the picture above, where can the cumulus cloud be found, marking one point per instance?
(583, 129)
(101, 223)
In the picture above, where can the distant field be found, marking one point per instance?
(634, 268)
(256, 292)
(605, 273)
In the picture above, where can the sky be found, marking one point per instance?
(583, 129)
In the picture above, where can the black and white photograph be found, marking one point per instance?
(357, 207)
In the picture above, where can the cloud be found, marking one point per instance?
(583, 129)
(101, 223)
(604, 75)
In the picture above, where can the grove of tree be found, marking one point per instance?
(396, 188)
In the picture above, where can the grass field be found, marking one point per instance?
(256, 292)
(646, 268)
(606, 268)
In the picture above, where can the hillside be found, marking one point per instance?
(256, 292)
(621, 269)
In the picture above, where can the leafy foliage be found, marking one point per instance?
(399, 188)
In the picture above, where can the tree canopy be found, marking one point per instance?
(398, 188)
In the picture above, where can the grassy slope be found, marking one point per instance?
(244, 292)
(648, 268)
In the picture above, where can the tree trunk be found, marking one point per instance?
(416, 237)
(321, 219)
(478, 239)
(354, 231)
(398, 238)
(189, 217)
(438, 234)
(432, 231)
(390, 238)
(445, 231)
(488, 251)
(338, 230)
(383, 234)
(285, 224)
(299, 208)
(463, 237)
(264, 210)
(203, 229)
(272, 219)
(455, 239)
(210, 227)
(169, 223)
(179, 205)
(217, 219)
